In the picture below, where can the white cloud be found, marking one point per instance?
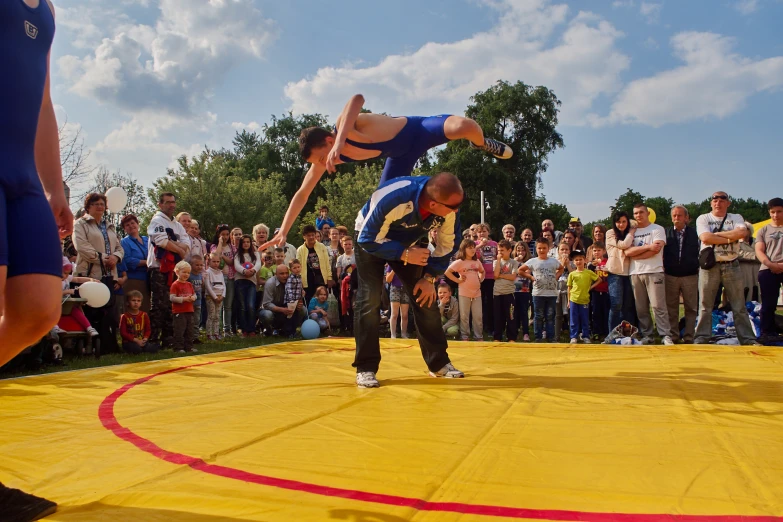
(651, 11)
(650, 43)
(582, 64)
(253, 126)
(160, 75)
(714, 82)
(173, 66)
(622, 3)
(747, 7)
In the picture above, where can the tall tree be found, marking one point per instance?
(74, 157)
(626, 201)
(345, 194)
(525, 118)
(206, 188)
(103, 179)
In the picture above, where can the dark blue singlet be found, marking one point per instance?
(420, 134)
(29, 240)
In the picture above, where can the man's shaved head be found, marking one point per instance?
(441, 187)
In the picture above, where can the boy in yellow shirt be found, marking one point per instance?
(580, 282)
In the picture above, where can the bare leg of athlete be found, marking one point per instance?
(31, 307)
(459, 128)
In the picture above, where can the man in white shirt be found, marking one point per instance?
(166, 235)
(647, 276)
(726, 270)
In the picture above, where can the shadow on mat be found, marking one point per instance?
(689, 384)
(353, 515)
(97, 510)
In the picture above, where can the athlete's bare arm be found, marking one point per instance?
(47, 159)
(345, 123)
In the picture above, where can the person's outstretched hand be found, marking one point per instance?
(277, 241)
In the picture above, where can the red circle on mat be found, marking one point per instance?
(111, 423)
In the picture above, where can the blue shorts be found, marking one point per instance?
(29, 239)
(420, 134)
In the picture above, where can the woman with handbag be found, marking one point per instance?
(99, 252)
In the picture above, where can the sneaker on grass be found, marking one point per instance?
(448, 371)
(667, 340)
(366, 380)
(18, 506)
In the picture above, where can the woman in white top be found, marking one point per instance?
(247, 263)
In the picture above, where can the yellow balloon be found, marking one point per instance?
(652, 214)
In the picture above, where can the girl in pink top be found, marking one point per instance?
(470, 275)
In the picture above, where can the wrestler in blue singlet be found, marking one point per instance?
(420, 134)
(29, 239)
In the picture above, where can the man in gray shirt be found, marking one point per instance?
(721, 230)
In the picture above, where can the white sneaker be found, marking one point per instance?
(57, 330)
(574, 340)
(448, 371)
(667, 340)
(92, 331)
(366, 380)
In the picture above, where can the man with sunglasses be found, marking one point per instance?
(726, 270)
(392, 228)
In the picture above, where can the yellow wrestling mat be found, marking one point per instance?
(281, 433)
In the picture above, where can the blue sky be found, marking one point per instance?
(673, 99)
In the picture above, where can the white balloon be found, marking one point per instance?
(116, 199)
(97, 294)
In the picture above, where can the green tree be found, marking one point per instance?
(345, 194)
(138, 203)
(525, 118)
(663, 209)
(626, 201)
(207, 190)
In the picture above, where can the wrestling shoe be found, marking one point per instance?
(448, 371)
(497, 148)
(366, 380)
(668, 340)
(18, 506)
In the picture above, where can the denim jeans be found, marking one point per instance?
(246, 295)
(730, 276)
(621, 304)
(367, 314)
(544, 307)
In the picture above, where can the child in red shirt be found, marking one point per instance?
(182, 297)
(599, 296)
(135, 327)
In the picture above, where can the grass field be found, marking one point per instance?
(74, 362)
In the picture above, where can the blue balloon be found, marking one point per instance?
(310, 329)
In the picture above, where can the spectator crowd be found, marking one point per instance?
(172, 288)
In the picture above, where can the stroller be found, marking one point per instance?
(75, 337)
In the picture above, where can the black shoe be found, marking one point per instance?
(497, 148)
(18, 506)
